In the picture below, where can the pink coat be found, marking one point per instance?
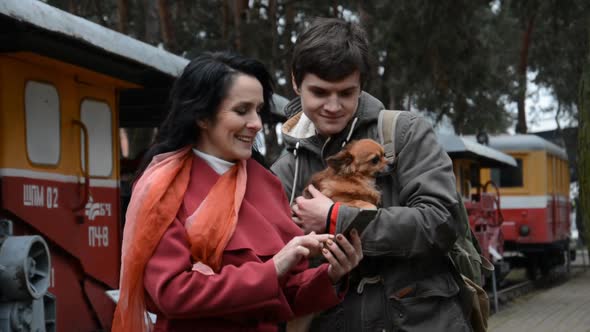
(246, 294)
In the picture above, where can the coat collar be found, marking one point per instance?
(264, 222)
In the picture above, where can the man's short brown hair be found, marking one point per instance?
(331, 49)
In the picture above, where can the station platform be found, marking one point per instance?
(562, 308)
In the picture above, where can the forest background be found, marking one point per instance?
(468, 61)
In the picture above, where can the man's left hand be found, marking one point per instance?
(311, 214)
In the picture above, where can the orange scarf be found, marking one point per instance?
(155, 201)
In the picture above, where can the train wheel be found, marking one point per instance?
(532, 267)
(573, 254)
(545, 269)
(532, 271)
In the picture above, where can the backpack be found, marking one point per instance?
(467, 264)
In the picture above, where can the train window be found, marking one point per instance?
(509, 176)
(96, 115)
(42, 123)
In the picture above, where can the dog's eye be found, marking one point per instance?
(375, 160)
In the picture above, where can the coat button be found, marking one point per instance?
(401, 315)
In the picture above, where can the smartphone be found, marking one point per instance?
(360, 222)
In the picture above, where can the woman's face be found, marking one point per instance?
(231, 135)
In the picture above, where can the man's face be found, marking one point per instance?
(329, 104)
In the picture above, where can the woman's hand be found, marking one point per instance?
(298, 248)
(343, 256)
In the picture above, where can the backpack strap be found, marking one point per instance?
(386, 122)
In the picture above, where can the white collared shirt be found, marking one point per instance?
(219, 165)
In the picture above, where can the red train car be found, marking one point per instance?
(535, 202)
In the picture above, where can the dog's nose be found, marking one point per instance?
(386, 170)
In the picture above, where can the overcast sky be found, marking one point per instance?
(539, 98)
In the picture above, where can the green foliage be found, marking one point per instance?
(559, 49)
(451, 58)
(441, 57)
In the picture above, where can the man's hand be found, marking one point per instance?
(310, 214)
(344, 256)
(300, 247)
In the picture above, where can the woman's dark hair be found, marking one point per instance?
(331, 49)
(196, 96)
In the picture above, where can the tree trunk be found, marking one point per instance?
(391, 97)
(334, 9)
(521, 127)
(152, 26)
(584, 150)
(238, 8)
(101, 14)
(123, 13)
(560, 132)
(460, 109)
(167, 29)
(74, 7)
(181, 10)
(373, 82)
(273, 149)
(272, 20)
(289, 27)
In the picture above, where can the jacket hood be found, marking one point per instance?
(299, 128)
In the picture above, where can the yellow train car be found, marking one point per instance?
(535, 200)
(66, 86)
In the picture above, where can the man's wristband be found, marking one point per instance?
(328, 218)
(333, 218)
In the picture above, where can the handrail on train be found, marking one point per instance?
(85, 170)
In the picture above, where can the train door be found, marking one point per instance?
(95, 126)
(558, 194)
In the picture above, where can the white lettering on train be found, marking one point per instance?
(97, 209)
(52, 194)
(98, 236)
(40, 196)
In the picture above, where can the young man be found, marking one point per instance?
(404, 281)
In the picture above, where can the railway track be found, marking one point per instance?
(509, 293)
(518, 288)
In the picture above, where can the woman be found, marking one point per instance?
(209, 243)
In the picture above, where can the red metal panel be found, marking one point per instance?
(80, 251)
(510, 230)
(538, 221)
(103, 306)
(47, 206)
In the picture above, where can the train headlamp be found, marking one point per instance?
(524, 230)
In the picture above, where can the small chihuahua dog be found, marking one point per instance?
(349, 179)
(351, 173)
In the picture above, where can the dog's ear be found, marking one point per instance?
(341, 162)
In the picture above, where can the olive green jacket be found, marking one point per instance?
(404, 282)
